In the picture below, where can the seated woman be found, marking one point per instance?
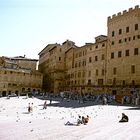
(85, 120)
(124, 118)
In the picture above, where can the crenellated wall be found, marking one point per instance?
(125, 12)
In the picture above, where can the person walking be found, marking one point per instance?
(45, 105)
(29, 108)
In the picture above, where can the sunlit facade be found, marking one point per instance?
(110, 65)
(19, 75)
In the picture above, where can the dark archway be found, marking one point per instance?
(3, 93)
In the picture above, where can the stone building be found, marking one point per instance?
(110, 65)
(123, 52)
(52, 65)
(74, 68)
(75, 64)
(96, 64)
(88, 71)
(19, 75)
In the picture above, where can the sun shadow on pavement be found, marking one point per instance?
(133, 108)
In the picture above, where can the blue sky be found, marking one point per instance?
(27, 26)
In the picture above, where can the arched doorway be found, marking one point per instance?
(3, 93)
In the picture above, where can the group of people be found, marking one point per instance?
(80, 120)
(85, 120)
(30, 108)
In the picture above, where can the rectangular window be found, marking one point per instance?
(112, 43)
(113, 33)
(75, 65)
(136, 51)
(96, 72)
(103, 56)
(120, 54)
(120, 41)
(96, 58)
(120, 31)
(103, 45)
(89, 82)
(127, 53)
(133, 37)
(127, 29)
(136, 27)
(79, 64)
(112, 55)
(89, 59)
(83, 53)
(125, 39)
(103, 72)
(133, 82)
(96, 46)
(80, 54)
(83, 63)
(75, 74)
(114, 71)
(123, 82)
(59, 58)
(133, 69)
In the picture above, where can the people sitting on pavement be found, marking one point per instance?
(79, 121)
(85, 120)
(124, 118)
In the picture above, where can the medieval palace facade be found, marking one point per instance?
(111, 64)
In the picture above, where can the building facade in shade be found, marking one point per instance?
(111, 64)
(52, 65)
(19, 75)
